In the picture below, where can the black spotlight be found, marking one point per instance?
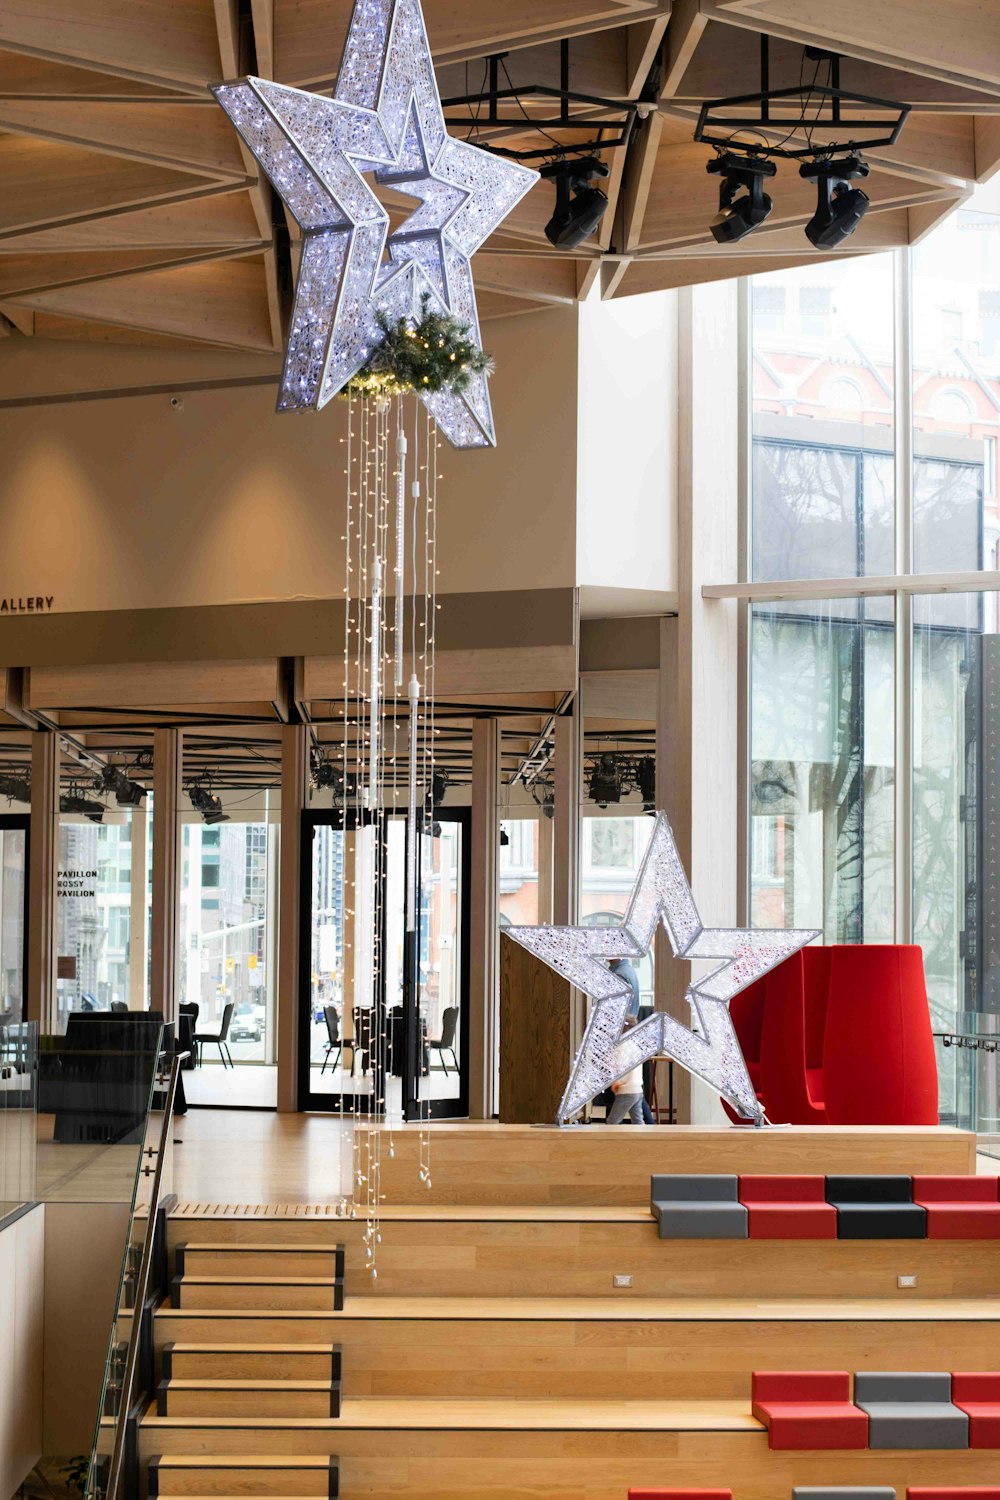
(579, 207)
(16, 787)
(205, 803)
(605, 784)
(744, 176)
(645, 775)
(439, 785)
(840, 208)
(74, 801)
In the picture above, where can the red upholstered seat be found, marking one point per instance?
(979, 1395)
(959, 1208)
(879, 1066)
(954, 1492)
(788, 1207)
(680, 1495)
(791, 1044)
(808, 1409)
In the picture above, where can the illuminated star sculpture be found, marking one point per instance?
(385, 117)
(710, 1048)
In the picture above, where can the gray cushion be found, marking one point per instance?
(902, 1385)
(915, 1424)
(714, 1187)
(702, 1221)
(843, 1492)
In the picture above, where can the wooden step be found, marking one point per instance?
(539, 1250)
(515, 1164)
(239, 1475)
(251, 1362)
(280, 1293)
(250, 1326)
(454, 1348)
(210, 1257)
(248, 1398)
(559, 1450)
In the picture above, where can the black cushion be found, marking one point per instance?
(881, 1221)
(869, 1189)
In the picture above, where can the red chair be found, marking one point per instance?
(959, 1208)
(879, 1066)
(786, 1207)
(747, 1012)
(808, 1409)
(791, 1045)
(955, 1492)
(979, 1396)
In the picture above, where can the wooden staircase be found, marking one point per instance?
(494, 1359)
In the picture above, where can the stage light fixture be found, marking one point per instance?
(579, 206)
(839, 208)
(645, 775)
(744, 176)
(605, 782)
(128, 793)
(74, 801)
(17, 788)
(438, 788)
(504, 837)
(204, 802)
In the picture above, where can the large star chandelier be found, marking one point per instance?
(709, 1048)
(385, 118)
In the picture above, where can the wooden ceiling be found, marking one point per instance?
(130, 213)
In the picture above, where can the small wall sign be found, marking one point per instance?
(27, 604)
(79, 883)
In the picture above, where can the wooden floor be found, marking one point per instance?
(494, 1358)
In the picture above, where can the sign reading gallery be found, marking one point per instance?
(30, 604)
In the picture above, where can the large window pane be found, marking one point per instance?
(823, 382)
(956, 392)
(821, 772)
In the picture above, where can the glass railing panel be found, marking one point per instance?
(969, 1072)
(18, 1104)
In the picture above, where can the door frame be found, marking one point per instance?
(458, 1108)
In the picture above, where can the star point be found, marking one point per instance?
(709, 1048)
(385, 118)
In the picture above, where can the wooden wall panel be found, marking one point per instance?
(534, 1037)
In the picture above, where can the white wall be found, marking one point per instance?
(22, 1272)
(125, 503)
(627, 454)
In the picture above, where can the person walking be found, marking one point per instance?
(629, 1098)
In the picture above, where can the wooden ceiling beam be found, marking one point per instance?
(684, 32)
(541, 279)
(642, 42)
(152, 40)
(216, 216)
(187, 136)
(26, 275)
(219, 302)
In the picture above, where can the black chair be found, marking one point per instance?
(334, 1042)
(220, 1037)
(187, 1025)
(446, 1041)
(118, 1007)
(364, 1037)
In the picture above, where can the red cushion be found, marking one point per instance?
(962, 1221)
(782, 1187)
(801, 1385)
(956, 1190)
(680, 1495)
(976, 1385)
(812, 1424)
(955, 1492)
(792, 1221)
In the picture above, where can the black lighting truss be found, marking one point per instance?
(623, 114)
(830, 100)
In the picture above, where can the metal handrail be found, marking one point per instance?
(975, 1042)
(142, 1283)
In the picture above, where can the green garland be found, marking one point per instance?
(435, 354)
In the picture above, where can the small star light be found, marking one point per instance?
(709, 1049)
(385, 117)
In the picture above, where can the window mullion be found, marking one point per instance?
(903, 448)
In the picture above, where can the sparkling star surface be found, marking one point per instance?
(709, 1048)
(385, 118)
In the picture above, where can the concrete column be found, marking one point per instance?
(484, 976)
(163, 967)
(42, 907)
(698, 746)
(294, 783)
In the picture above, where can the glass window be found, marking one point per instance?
(13, 847)
(821, 772)
(823, 502)
(613, 848)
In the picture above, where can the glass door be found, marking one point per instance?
(400, 1046)
(13, 928)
